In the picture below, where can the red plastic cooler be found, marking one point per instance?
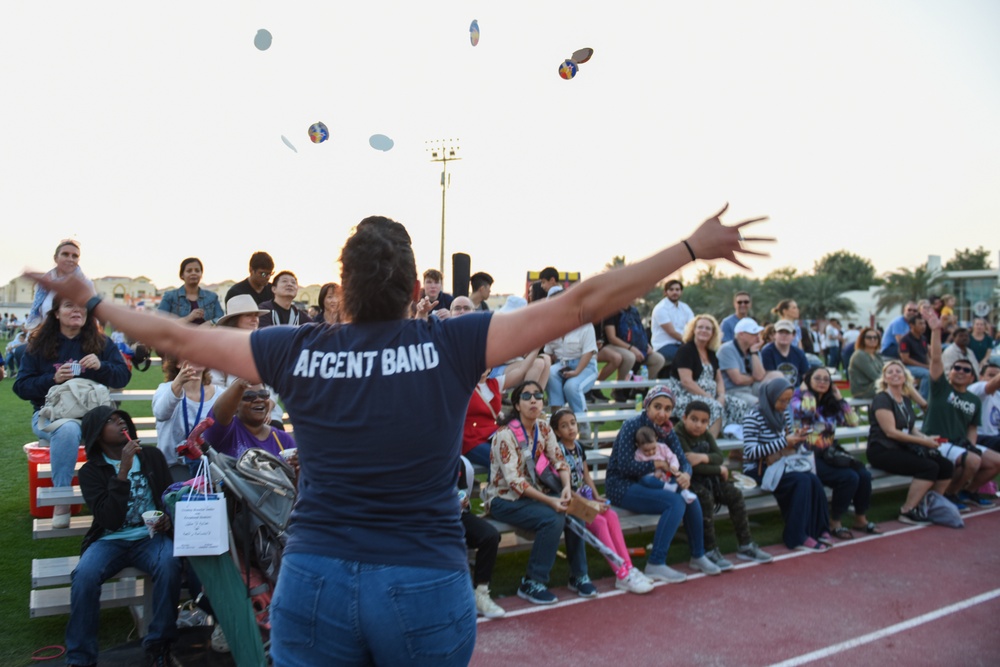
(40, 454)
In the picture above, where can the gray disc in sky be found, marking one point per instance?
(262, 40)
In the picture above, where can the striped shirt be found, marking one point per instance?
(760, 440)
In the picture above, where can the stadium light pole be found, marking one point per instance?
(444, 152)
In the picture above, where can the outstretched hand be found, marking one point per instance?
(714, 240)
(73, 288)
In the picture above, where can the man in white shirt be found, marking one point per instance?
(832, 342)
(670, 316)
(988, 434)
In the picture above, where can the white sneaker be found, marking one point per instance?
(486, 606)
(634, 582)
(703, 564)
(219, 642)
(664, 573)
(720, 561)
(61, 516)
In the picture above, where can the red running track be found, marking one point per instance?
(913, 596)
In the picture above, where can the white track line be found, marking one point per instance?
(891, 630)
(534, 609)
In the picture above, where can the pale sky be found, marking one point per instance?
(152, 131)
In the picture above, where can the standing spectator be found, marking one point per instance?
(67, 259)
(740, 363)
(190, 302)
(782, 355)
(670, 316)
(741, 305)
(896, 330)
(954, 413)
(433, 289)
(913, 353)
(850, 343)
(832, 342)
(258, 283)
(481, 284)
(865, 368)
(281, 310)
(68, 344)
(548, 278)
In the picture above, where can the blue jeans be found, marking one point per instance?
(669, 351)
(64, 443)
(331, 611)
(571, 391)
(103, 559)
(480, 454)
(922, 376)
(671, 508)
(548, 526)
(849, 486)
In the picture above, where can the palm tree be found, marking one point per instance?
(905, 285)
(820, 294)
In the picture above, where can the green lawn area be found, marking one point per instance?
(24, 635)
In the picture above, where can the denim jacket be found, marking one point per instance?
(175, 302)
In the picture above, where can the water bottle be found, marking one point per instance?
(638, 403)
(643, 373)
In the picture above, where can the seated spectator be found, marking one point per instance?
(710, 482)
(481, 284)
(800, 495)
(575, 369)
(767, 335)
(614, 363)
(67, 259)
(180, 404)
(605, 525)
(258, 284)
(669, 320)
(481, 418)
(625, 332)
(624, 487)
(865, 368)
(485, 539)
(329, 303)
(190, 302)
(913, 353)
(241, 414)
(819, 408)
(741, 305)
(433, 281)
(14, 351)
(514, 496)
(533, 366)
(960, 350)
(739, 361)
(120, 481)
(788, 309)
(66, 345)
(897, 446)
(980, 342)
(281, 310)
(782, 355)
(244, 313)
(548, 278)
(988, 434)
(695, 375)
(954, 413)
(896, 330)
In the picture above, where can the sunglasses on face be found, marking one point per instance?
(871, 336)
(265, 274)
(263, 394)
(528, 395)
(821, 378)
(743, 303)
(962, 369)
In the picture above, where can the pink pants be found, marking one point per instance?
(609, 531)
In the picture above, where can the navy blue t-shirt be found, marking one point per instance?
(794, 366)
(378, 410)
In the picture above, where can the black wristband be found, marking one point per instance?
(92, 302)
(688, 246)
